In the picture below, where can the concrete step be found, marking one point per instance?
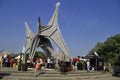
(14, 74)
(62, 77)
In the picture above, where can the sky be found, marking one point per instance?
(83, 23)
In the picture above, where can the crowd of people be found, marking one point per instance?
(75, 64)
(62, 66)
(50, 64)
(7, 61)
(79, 64)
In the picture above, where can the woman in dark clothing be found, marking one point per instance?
(63, 68)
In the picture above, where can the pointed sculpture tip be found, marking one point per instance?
(25, 23)
(38, 19)
(57, 4)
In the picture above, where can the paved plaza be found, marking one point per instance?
(50, 74)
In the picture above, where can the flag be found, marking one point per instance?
(96, 53)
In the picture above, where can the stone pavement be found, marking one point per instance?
(50, 74)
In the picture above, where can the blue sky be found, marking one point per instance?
(83, 23)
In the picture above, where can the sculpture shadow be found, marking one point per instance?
(42, 73)
(3, 74)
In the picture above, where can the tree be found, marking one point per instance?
(39, 54)
(117, 62)
(109, 50)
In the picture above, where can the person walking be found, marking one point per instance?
(37, 69)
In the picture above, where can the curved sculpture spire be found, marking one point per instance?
(28, 40)
(51, 31)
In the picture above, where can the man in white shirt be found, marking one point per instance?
(48, 62)
(88, 65)
(41, 63)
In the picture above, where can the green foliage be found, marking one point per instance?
(117, 62)
(39, 54)
(109, 50)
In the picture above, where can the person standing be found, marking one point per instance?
(63, 68)
(48, 62)
(7, 61)
(41, 63)
(88, 65)
(37, 69)
(11, 62)
(1, 61)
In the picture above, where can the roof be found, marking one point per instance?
(4, 52)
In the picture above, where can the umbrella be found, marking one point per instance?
(75, 59)
(37, 59)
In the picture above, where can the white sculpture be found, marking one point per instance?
(44, 35)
